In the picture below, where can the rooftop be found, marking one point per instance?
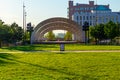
(102, 8)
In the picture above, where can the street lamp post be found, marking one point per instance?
(24, 23)
(86, 29)
(119, 34)
(29, 29)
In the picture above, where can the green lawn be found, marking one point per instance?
(56, 47)
(60, 66)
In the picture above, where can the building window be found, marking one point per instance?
(100, 18)
(87, 8)
(81, 12)
(90, 17)
(113, 18)
(90, 23)
(94, 18)
(91, 8)
(80, 22)
(71, 9)
(103, 19)
(107, 19)
(81, 8)
(80, 17)
(77, 18)
(116, 18)
(76, 9)
(83, 17)
(87, 18)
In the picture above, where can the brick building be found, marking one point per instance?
(92, 13)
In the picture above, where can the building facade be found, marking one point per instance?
(92, 13)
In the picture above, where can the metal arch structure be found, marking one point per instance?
(57, 23)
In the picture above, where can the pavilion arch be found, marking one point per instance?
(57, 23)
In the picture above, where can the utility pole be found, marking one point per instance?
(23, 17)
(85, 28)
(24, 22)
(30, 29)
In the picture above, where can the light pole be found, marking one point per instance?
(23, 17)
(24, 23)
(30, 29)
(25, 20)
(86, 29)
(119, 33)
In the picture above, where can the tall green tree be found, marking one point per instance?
(68, 36)
(50, 36)
(111, 30)
(98, 32)
(17, 32)
(118, 25)
(10, 33)
(5, 33)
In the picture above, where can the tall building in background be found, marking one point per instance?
(92, 13)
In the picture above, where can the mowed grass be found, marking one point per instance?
(60, 66)
(56, 47)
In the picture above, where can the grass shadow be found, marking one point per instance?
(48, 68)
(41, 47)
(6, 58)
(20, 48)
(74, 75)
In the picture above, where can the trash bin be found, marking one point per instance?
(62, 47)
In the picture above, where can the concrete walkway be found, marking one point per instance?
(86, 51)
(102, 51)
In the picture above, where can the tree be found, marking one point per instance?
(98, 32)
(105, 31)
(93, 32)
(68, 36)
(50, 36)
(17, 33)
(5, 33)
(118, 25)
(111, 30)
(10, 33)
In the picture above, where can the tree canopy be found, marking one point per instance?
(50, 36)
(109, 30)
(17, 32)
(68, 36)
(98, 32)
(10, 33)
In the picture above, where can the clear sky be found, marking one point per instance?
(39, 10)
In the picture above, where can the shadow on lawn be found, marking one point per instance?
(6, 59)
(74, 75)
(42, 47)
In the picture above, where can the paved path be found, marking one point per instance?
(91, 51)
(101, 51)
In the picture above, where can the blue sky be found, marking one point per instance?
(39, 10)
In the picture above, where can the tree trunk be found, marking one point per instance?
(0, 43)
(96, 40)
